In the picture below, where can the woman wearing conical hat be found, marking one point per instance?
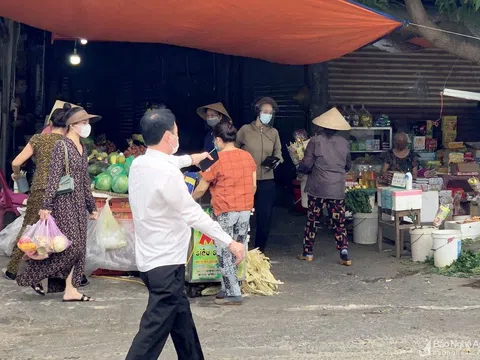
(327, 158)
(212, 114)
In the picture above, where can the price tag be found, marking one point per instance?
(398, 180)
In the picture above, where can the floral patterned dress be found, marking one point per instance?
(42, 150)
(70, 212)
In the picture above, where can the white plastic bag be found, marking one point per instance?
(8, 236)
(109, 233)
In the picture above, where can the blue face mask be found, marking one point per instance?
(265, 118)
(216, 146)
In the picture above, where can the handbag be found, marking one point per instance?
(66, 185)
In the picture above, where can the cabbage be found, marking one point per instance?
(120, 184)
(115, 169)
(103, 182)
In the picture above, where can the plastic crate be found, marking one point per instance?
(121, 203)
(124, 215)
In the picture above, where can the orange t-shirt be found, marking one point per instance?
(231, 179)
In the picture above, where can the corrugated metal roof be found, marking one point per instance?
(384, 80)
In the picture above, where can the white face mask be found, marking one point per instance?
(84, 131)
(265, 118)
(175, 148)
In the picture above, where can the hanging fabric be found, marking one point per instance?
(289, 32)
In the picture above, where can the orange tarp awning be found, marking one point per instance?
(290, 32)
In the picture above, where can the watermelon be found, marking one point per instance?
(97, 168)
(115, 169)
(103, 182)
(120, 184)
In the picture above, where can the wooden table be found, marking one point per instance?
(396, 224)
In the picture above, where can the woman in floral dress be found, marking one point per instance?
(40, 147)
(64, 270)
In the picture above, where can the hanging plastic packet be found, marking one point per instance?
(366, 119)
(474, 182)
(354, 116)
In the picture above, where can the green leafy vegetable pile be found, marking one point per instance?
(467, 264)
(358, 201)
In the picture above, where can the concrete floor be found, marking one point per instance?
(379, 308)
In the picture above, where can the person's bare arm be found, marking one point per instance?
(385, 169)
(254, 182)
(201, 189)
(21, 159)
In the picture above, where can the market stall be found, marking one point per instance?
(111, 239)
(442, 198)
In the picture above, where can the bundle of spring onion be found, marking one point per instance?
(259, 280)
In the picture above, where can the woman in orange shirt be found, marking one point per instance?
(232, 182)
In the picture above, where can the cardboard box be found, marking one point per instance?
(455, 145)
(419, 143)
(465, 169)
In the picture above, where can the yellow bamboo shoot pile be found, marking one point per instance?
(259, 280)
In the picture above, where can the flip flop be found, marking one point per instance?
(84, 298)
(38, 289)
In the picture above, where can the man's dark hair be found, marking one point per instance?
(225, 131)
(155, 123)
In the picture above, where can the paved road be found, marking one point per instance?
(379, 308)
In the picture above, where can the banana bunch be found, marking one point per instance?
(259, 280)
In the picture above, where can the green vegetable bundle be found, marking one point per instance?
(358, 201)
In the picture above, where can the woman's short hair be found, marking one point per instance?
(265, 100)
(225, 131)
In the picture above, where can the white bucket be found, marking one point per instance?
(365, 228)
(447, 245)
(303, 183)
(421, 242)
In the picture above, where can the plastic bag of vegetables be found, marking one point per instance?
(109, 234)
(42, 239)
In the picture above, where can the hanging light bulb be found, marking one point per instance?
(83, 41)
(74, 58)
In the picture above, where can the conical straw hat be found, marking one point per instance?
(217, 107)
(333, 120)
(59, 105)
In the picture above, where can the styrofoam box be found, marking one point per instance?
(406, 200)
(469, 230)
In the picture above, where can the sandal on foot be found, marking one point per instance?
(305, 257)
(84, 298)
(38, 289)
(347, 262)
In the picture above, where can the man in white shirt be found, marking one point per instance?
(163, 214)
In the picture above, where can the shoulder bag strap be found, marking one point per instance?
(67, 168)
